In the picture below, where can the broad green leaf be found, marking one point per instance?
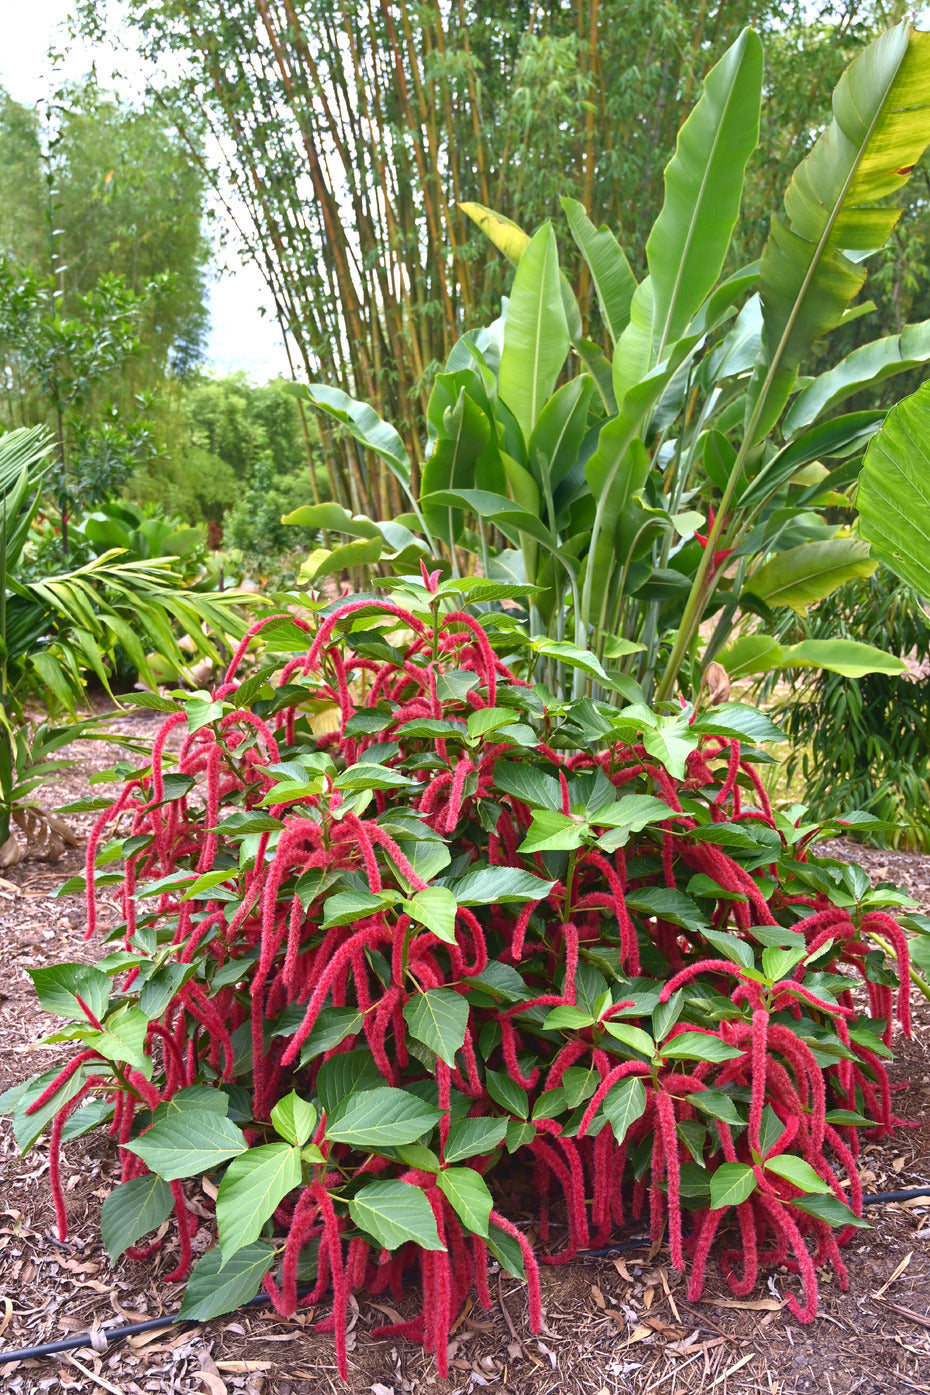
(703, 186)
(294, 1119)
(123, 1039)
(59, 986)
(798, 1172)
(506, 1250)
(571, 1018)
(215, 1288)
(739, 720)
(614, 282)
(346, 907)
(28, 1127)
(467, 1193)
(837, 203)
(507, 1093)
(552, 831)
(803, 575)
(499, 886)
(623, 1104)
(536, 339)
(345, 1074)
(380, 1118)
(699, 1046)
(863, 368)
(132, 1210)
(845, 656)
(363, 423)
(474, 1138)
(394, 1214)
(749, 654)
(194, 1099)
(160, 989)
(438, 1018)
(188, 1144)
(777, 963)
(893, 497)
(371, 776)
(436, 908)
(829, 1209)
(717, 1105)
(633, 1037)
(252, 1189)
(731, 1184)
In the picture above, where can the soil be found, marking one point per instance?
(613, 1324)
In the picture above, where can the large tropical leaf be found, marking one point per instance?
(894, 491)
(864, 367)
(703, 186)
(536, 339)
(802, 575)
(613, 280)
(836, 209)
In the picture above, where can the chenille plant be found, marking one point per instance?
(354, 975)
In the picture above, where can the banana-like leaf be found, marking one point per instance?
(558, 434)
(864, 367)
(828, 440)
(508, 237)
(759, 653)
(703, 186)
(614, 282)
(536, 339)
(894, 491)
(836, 209)
(802, 575)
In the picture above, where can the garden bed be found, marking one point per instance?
(612, 1324)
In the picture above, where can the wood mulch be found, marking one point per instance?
(613, 1324)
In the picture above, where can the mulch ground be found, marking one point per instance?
(613, 1324)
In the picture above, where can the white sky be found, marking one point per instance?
(239, 337)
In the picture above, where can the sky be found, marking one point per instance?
(240, 337)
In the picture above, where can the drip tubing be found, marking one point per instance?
(118, 1334)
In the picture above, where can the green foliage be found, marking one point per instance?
(667, 489)
(57, 628)
(468, 923)
(864, 741)
(428, 107)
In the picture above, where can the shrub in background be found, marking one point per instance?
(865, 742)
(354, 973)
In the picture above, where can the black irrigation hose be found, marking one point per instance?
(118, 1334)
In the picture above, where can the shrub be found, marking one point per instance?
(354, 973)
(866, 741)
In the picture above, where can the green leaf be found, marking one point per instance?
(551, 831)
(346, 907)
(132, 1210)
(738, 720)
(294, 1119)
(806, 574)
(567, 1018)
(703, 186)
(633, 1037)
(731, 1184)
(837, 201)
(348, 1073)
(623, 1104)
(614, 282)
(252, 1189)
(777, 963)
(845, 656)
(380, 1118)
(370, 776)
(215, 1288)
(363, 423)
(123, 1039)
(536, 340)
(59, 985)
(718, 1105)
(499, 886)
(159, 990)
(528, 783)
(436, 908)
(467, 1193)
(438, 1018)
(699, 1046)
(395, 1213)
(798, 1172)
(507, 1093)
(474, 1138)
(188, 1144)
(893, 497)
(506, 1250)
(862, 369)
(830, 1209)
(195, 1099)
